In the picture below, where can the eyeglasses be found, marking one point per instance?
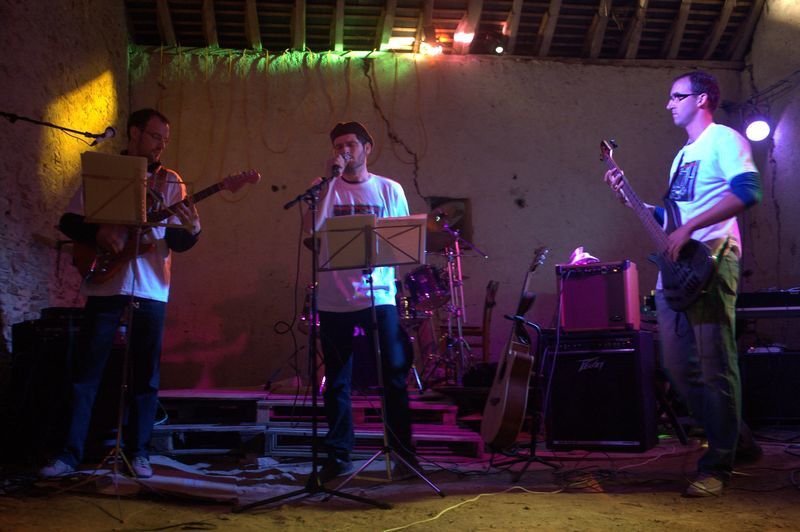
(158, 138)
(679, 96)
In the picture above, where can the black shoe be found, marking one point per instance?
(401, 471)
(334, 467)
(748, 455)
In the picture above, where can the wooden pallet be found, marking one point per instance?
(365, 410)
(238, 422)
(432, 441)
(209, 439)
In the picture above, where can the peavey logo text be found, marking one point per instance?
(591, 363)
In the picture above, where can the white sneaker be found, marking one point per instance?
(141, 467)
(56, 468)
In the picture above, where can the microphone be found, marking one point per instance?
(109, 133)
(336, 169)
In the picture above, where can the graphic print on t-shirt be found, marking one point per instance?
(683, 184)
(348, 210)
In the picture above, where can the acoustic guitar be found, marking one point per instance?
(505, 407)
(97, 266)
(683, 280)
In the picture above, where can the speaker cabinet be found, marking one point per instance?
(769, 387)
(601, 395)
(599, 297)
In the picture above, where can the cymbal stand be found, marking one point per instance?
(458, 353)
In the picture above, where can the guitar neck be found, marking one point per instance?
(654, 230)
(163, 214)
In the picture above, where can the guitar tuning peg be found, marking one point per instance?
(613, 143)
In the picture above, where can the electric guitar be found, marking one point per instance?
(505, 407)
(97, 266)
(683, 280)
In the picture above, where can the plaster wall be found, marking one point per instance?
(520, 139)
(772, 81)
(63, 62)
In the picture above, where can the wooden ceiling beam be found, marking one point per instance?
(547, 28)
(712, 40)
(338, 27)
(469, 24)
(512, 25)
(385, 25)
(251, 28)
(744, 35)
(426, 31)
(593, 44)
(299, 25)
(210, 24)
(672, 44)
(164, 21)
(633, 33)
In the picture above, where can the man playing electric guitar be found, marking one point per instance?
(149, 281)
(712, 180)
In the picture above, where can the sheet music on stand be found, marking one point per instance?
(361, 240)
(114, 188)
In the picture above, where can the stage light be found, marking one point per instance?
(427, 48)
(400, 43)
(463, 38)
(757, 128)
(488, 42)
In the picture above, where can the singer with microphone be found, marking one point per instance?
(344, 303)
(107, 300)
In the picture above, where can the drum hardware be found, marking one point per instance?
(426, 284)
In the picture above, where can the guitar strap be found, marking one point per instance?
(673, 213)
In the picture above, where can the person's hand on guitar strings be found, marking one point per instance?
(613, 179)
(187, 212)
(112, 237)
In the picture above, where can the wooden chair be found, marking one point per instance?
(479, 336)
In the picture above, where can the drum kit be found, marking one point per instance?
(430, 305)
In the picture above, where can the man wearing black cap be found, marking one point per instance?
(344, 302)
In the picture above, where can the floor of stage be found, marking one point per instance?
(589, 491)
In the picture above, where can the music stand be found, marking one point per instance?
(313, 485)
(115, 192)
(368, 242)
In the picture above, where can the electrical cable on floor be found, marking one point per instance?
(473, 499)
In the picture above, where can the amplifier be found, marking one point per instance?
(599, 297)
(602, 391)
(769, 387)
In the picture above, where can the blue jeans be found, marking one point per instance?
(102, 317)
(700, 358)
(336, 335)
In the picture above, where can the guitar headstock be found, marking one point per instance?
(607, 148)
(236, 181)
(539, 256)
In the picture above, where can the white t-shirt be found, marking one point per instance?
(153, 275)
(703, 171)
(348, 290)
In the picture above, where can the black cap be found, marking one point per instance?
(345, 128)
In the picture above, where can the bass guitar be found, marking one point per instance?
(97, 266)
(505, 407)
(682, 280)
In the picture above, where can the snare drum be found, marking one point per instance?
(427, 287)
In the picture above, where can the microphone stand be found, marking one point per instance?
(11, 117)
(313, 485)
(535, 415)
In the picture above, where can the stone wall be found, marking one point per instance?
(63, 62)
(518, 138)
(772, 253)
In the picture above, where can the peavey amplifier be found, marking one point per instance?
(602, 391)
(599, 297)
